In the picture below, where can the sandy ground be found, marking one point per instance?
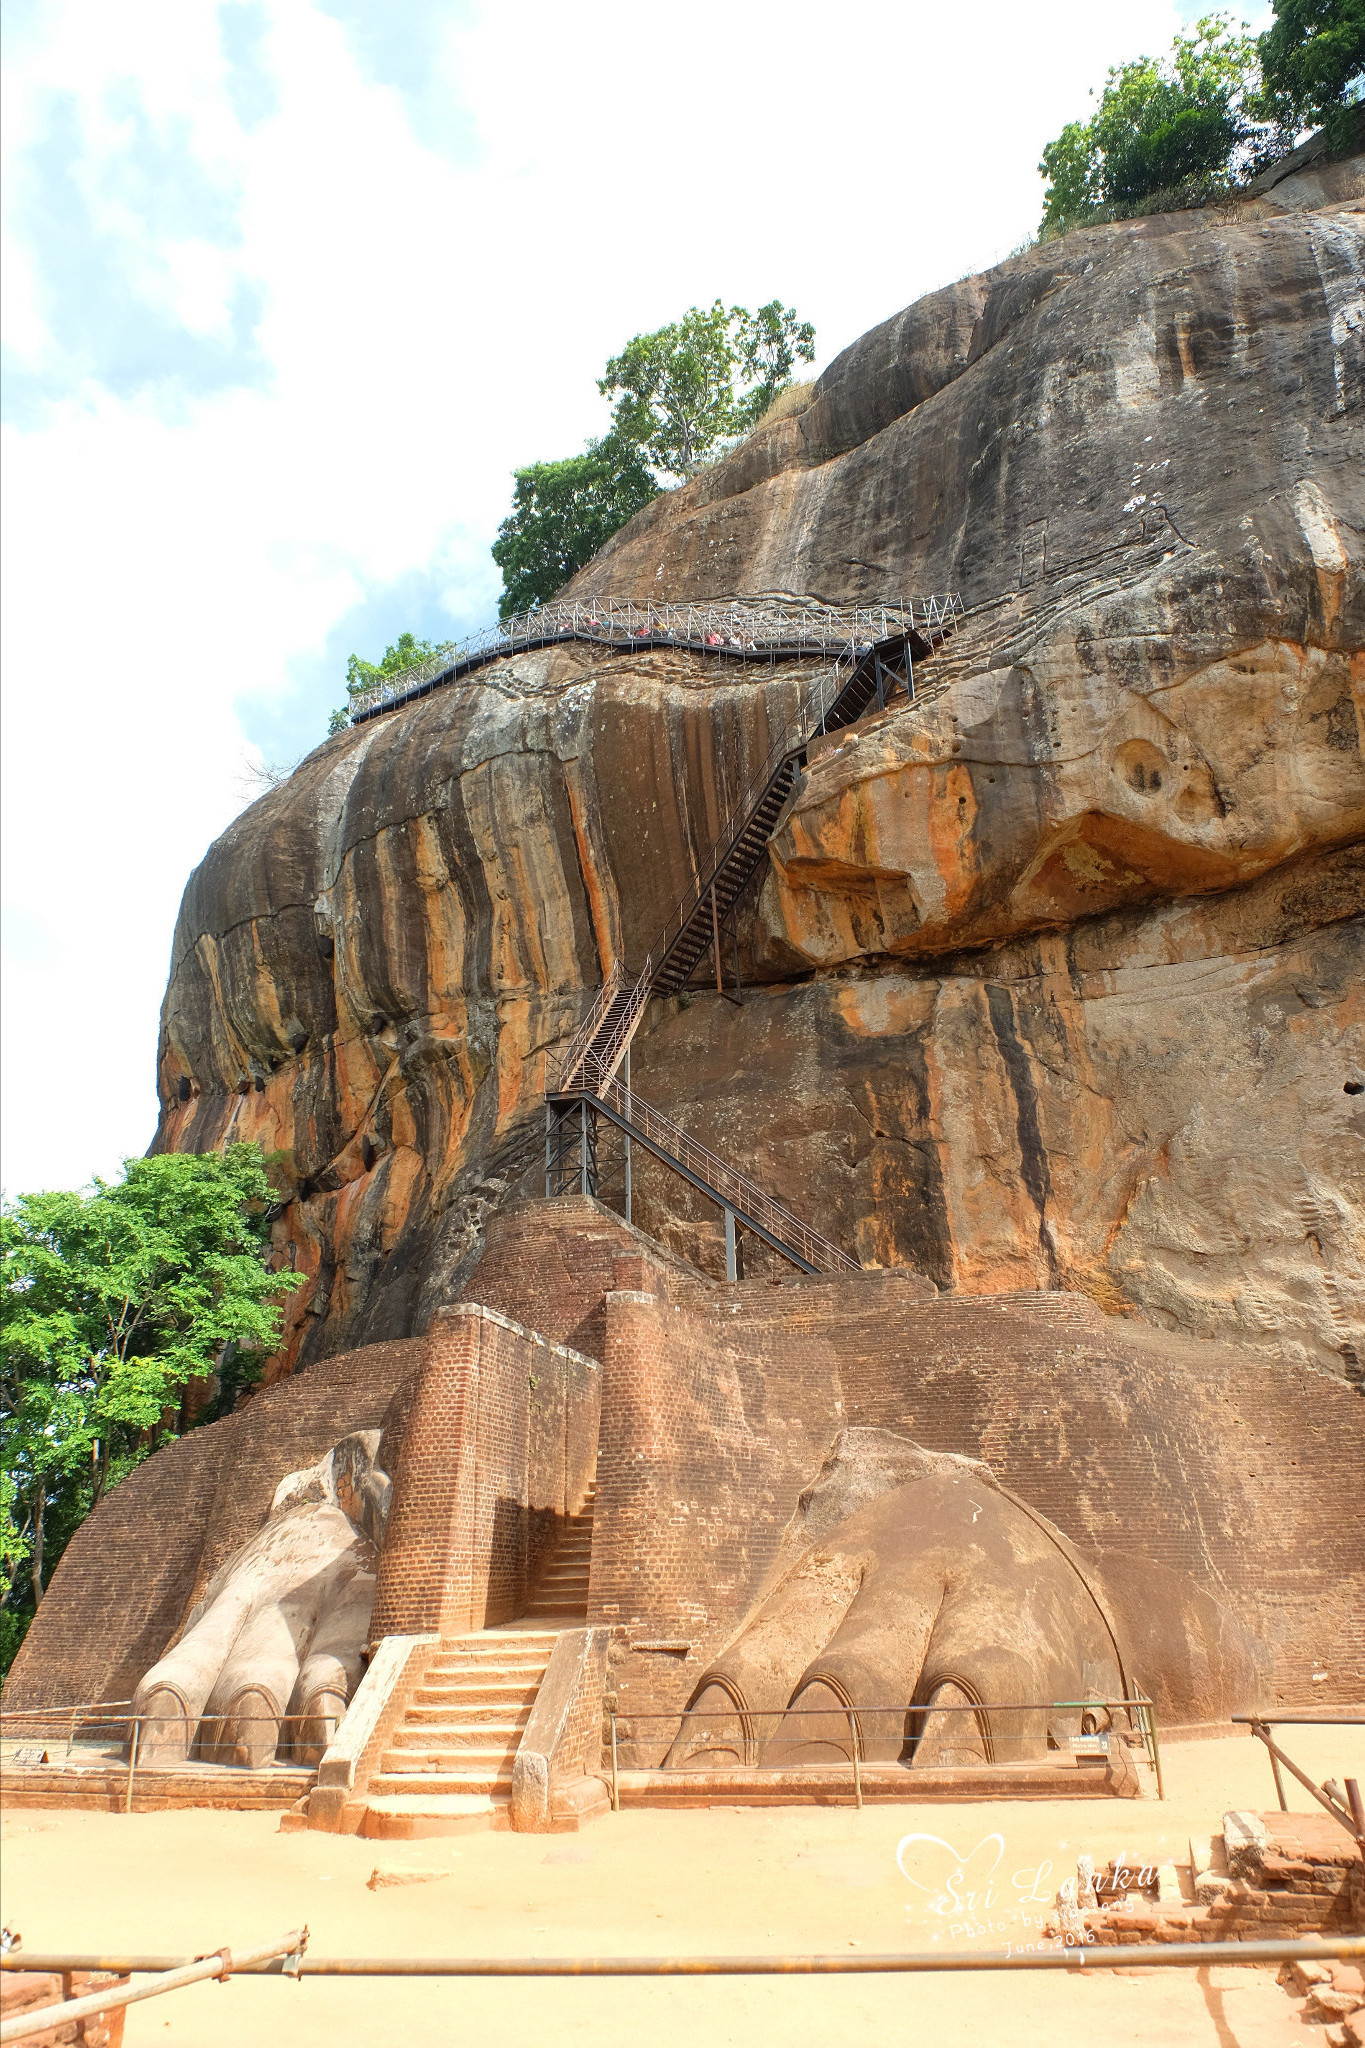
(795, 1880)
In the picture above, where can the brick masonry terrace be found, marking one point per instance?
(840, 1492)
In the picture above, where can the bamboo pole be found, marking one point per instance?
(1100, 1956)
(223, 1964)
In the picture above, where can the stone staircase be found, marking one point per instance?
(448, 1766)
(449, 1762)
(560, 1597)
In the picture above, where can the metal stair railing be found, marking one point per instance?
(726, 1185)
(599, 1062)
(938, 616)
(794, 738)
(592, 1023)
(749, 629)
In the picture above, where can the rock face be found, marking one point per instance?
(1053, 979)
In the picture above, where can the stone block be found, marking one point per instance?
(561, 1743)
(1326, 2004)
(24, 1994)
(1245, 1840)
(384, 1876)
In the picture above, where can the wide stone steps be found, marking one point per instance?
(410, 1816)
(474, 1710)
(474, 1736)
(511, 1650)
(448, 1765)
(460, 1732)
(488, 1760)
(522, 1671)
(453, 1670)
(387, 1782)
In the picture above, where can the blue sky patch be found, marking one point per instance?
(400, 45)
(285, 728)
(97, 282)
(242, 26)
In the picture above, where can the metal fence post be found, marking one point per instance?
(626, 1071)
(857, 1768)
(615, 1775)
(132, 1766)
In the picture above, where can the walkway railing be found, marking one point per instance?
(580, 1050)
(877, 640)
(751, 628)
(112, 1733)
(881, 1735)
(732, 1190)
(1072, 1957)
(1343, 1802)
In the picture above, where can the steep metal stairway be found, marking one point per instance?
(587, 1080)
(841, 696)
(570, 1168)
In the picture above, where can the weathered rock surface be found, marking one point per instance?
(1059, 974)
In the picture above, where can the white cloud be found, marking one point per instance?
(274, 376)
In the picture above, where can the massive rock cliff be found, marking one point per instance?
(1053, 980)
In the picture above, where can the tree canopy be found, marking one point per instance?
(1183, 128)
(1310, 56)
(679, 393)
(562, 513)
(361, 675)
(702, 379)
(113, 1301)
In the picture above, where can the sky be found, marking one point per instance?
(292, 286)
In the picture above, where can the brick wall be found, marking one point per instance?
(134, 1569)
(549, 1265)
(499, 1445)
(718, 1404)
(1308, 1879)
(703, 1451)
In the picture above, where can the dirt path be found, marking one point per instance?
(795, 1880)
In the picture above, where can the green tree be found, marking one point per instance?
(113, 1301)
(769, 343)
(680, 391)
(1180, 126)
(1071, 167)
(361, 675)
(562, 513)
(1312, 56)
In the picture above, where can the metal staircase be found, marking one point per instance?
(587, 1084)
(571, 1168)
